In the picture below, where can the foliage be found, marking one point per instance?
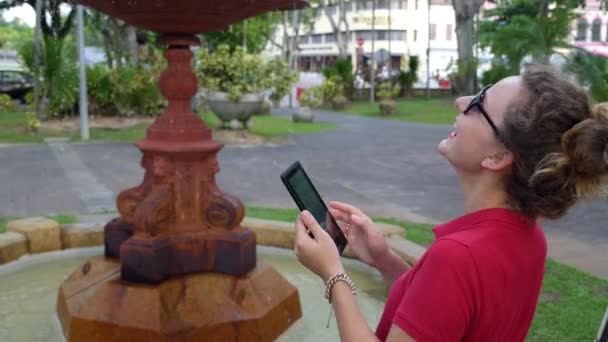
(114, 35)
(255, 31)
(233, 72)
(58, 27)
(591, 71)
(332, 87)
(33, 124)
(57, 72)
(7, 104)
(100, 90)
(281, 78)
(312, 97)
(12, 35)
(499, 70)
(136, 91)
(406, 79)
(459, 78)
(386, 93)
(343, 69)
(124, 91)
(537, 28)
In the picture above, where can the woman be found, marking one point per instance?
(524, 148)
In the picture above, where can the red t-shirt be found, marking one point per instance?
(479, 281)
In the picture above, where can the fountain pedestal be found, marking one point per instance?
(178, 265)
(95, 305)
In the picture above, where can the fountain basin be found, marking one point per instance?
(30, 285)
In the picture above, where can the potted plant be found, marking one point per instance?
(386, 94)
(310, 98)
(282, 79)
(233, 82)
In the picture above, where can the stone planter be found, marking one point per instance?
(227, 110)
(302, 114)
(388, 107)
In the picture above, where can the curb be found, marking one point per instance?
(268, 233)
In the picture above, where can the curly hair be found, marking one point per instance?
(559, 142)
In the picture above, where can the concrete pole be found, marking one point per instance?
(245, 36)
(37, 92)
(428, 51)
(84, 105)
(390, 53)
(372, 76)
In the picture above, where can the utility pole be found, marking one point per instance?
(37, 92)
(245, 36)
(84, 106)
(390, 54)
(372, 75)
(428, 51)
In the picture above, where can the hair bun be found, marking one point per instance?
(586, 148)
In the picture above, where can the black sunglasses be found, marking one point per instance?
(477, 102)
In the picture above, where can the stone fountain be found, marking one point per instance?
(178, 265)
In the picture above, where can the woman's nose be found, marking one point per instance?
(461, 102)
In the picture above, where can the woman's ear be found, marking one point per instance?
(498, 161)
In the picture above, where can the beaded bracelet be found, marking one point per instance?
(330, 284)
(336, 278)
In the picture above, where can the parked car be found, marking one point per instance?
(16, 83)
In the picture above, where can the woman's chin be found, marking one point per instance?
(444, 146)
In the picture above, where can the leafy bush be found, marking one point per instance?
(281, 78)
(591, 71)
(7, 104)
(124, 91)
(135, 91)
(497, 72)
(332, 87)
(342, 69)
(57, 72)
(385, 91)
(100, 90)
(33, 124)
(312, 97)
(407, 78)
(233, 72)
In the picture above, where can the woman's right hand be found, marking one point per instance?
(366, 241)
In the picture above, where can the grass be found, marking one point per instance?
(272, 126)
(415, 109)
(13, 129)
(61, 219)
(571, 304)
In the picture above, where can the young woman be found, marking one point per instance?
(524, 148)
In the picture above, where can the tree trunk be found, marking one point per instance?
(133, 46)
(465, 78)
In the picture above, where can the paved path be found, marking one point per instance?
(389, 168)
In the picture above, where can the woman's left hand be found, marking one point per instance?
(318, 253)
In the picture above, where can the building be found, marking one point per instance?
(405, 29)
(590, 31)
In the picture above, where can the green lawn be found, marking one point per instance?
(61, 219)
(13, 129)
(415, 109)
(571, 305)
